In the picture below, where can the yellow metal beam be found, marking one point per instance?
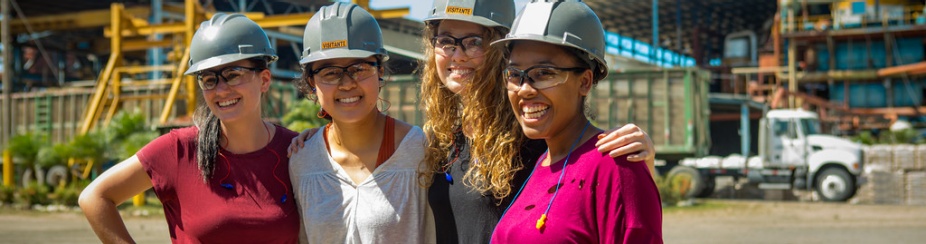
(282, 20)
(144, 69)
(168, 28)
(98, 101)
(144, 97)
(191, 23)
(102, 45)
(7, 168)
(389, 13)
(139, 45)
(71, 21)
(250, 15)
(171, 28)
(362, 3)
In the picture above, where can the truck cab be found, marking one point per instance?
(794, 154)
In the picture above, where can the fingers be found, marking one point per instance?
(626, 140)
(642, 155)
(637, 149)
(628, 133)
(299, 141)
(294, 146)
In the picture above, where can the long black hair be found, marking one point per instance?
(210, 130)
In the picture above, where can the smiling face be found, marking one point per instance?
(545, 113)
(349, 100)
(241, 101)
(457, 68)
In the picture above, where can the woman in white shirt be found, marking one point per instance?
(356, 180)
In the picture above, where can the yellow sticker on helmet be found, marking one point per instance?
(459, 10)
(334, 44)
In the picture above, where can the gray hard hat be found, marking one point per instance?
(227, 38)
(491, 13)
(568, 23)
(342, 30)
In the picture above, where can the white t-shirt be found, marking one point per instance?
(387, 207)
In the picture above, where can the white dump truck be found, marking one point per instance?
(792, 154)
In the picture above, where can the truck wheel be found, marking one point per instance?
(56, 175)
(686, 181)
(708, 190)
(835, 185)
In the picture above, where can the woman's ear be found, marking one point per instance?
(265, 79)
(587, 79)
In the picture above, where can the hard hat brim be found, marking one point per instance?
(222, 60)
(602, 66)
(340, 53)
(479, 20)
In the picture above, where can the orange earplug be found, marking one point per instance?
(542, 221)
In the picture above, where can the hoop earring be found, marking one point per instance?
(384, 105)
(322, 114)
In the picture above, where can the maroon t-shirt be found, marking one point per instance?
(252, 211)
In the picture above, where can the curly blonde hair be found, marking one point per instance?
(496, 133)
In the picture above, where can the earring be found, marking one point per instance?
(322, 114)
(382, 82)
(312, 96)
(384, 104)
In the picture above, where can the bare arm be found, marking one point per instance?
(100, 199)
(299, 141)
(626, 140)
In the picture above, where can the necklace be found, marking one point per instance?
(456, 155)
(543, 218)
(386, 147)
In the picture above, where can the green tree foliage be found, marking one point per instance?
(25, 147)
(905, 136)
(303, 115)
(32, 194)
(124, 125)
(51, 155)
(89, 146)
(135, 142)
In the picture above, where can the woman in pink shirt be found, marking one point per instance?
(575, 194)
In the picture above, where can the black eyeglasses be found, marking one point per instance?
(208, 80)
(332, 75)
(540, 77)
(445, 45)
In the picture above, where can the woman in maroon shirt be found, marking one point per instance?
(226, 179)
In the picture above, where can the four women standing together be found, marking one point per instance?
(362, 178)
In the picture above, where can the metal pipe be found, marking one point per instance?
(678, 27)
(7, 39)
(154, 54)
(655, 31)
(744, 130)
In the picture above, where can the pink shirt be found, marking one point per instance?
(601, 200)
(206, 212)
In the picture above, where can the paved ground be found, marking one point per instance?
(71, 227)
(712, 221)
(794, 222)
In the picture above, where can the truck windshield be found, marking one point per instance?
(810, 126)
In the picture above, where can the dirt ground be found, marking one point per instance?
(710, 221)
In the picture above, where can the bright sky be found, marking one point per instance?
(419, 8)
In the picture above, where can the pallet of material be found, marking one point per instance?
(920, 163)
(882, 188)
(878, 158)
(904, 157)
(916, 188)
